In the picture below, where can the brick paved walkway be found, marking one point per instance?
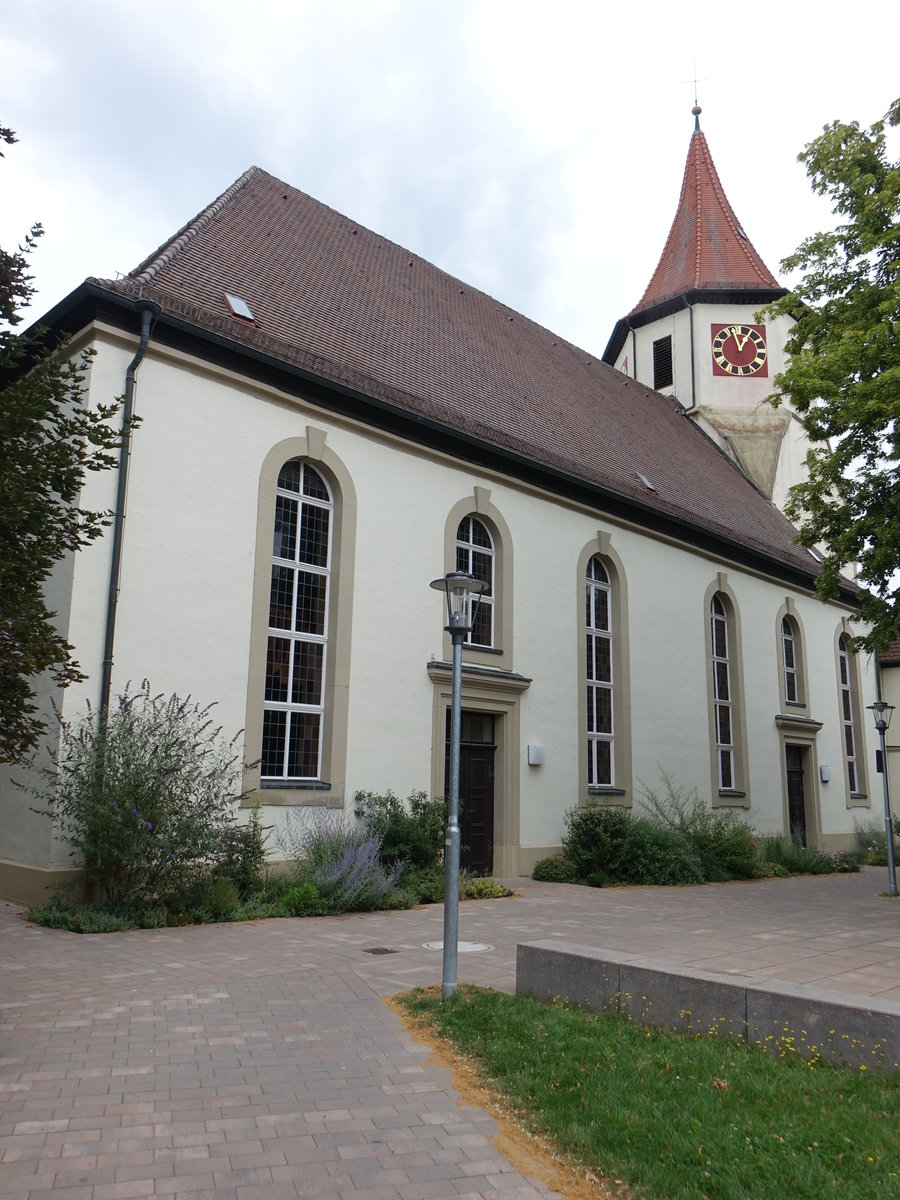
(257, 1062)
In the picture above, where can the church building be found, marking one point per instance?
(328, 422)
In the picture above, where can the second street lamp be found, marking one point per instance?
(462, 593)
(882, 713)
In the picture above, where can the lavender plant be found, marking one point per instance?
(144, 797)
(343, 862)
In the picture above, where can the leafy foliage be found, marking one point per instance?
(843, 375)
(724, 844)
(50, 437)
(412, 832)
(553, 870)
(806, 860)
(242, 855)
(144, 797)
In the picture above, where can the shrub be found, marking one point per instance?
(805, 860)
(482, 889)
(724, 844)
(220, 898)
(595, 840)
(344, 863)
(427, 886)
(655, 854)
(608, 846)
(411, 833)
(871, 842)
(553, 870)
(242, 854)
(144, 797)
(303, 900)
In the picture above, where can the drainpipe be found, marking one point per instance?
(148, 311)
(690, 309)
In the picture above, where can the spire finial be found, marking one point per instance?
(696, 110)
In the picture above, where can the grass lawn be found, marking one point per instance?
(676, 1118)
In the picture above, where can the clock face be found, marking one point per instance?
(739, 350)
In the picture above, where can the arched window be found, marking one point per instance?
(475, 556)
(790, 662)
(848, 713)
(722, 693)
(298, 626)
(599, 664)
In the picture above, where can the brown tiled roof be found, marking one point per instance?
(891, 656)
(706, 246)
(333, 298)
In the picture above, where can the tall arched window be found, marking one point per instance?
(722, 692)
(475, 556)
(790, 662)
(298, 624)
(848, 714)
(599, 662)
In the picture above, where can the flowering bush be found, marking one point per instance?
(343, 862)
(144, 798)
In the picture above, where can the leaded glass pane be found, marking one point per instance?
(722, 688)
(604, 763)
(597, 571)
(281, 598)
(310, 617)
(604, 710)
(483, 569)
(303, 746)
(790, 687)
(314, 485)
(480, 535)
(602, 660)
(274, 726)
(601, 609)
(277, 666)
(309, 658)
(848, 741)
(846, 705)
(789, 653)
(591, 711)
(314, 535)
(462, 531)
(481, 629)
(285, 542)
(720, 638)
(725, 772)
(852, 773)
(723, 717)
(289, 476)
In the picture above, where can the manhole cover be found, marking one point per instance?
(380, 950)
(462, 947)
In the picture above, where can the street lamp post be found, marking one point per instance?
(463, 592)
(882, 712)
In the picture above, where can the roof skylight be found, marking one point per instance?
(238, 307)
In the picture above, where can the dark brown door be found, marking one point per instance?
(476, 791)
(796, 801)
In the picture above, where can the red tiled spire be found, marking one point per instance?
(706, 246)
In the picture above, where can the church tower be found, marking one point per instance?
(694, 336)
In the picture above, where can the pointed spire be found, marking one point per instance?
(706, 246)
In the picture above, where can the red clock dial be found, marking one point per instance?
(739, 350)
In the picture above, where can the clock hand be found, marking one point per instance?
(738, 341)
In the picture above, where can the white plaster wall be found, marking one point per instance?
(184, 615)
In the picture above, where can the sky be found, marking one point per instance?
(534, 150)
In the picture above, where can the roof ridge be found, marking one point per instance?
(151, 266)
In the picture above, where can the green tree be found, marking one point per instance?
(843, 376)
(50, 437)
